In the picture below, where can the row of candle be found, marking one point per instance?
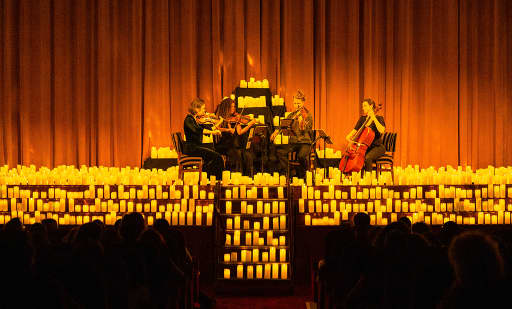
(278, 223)
(245, 102)
(405, 192)
(260, 179)
(163, 153)
(277, 207)
(174, 218)
(412, 175)
(391, 205)
(380, 218)
(108, 192)
(253, 238)
(253, 83)
(253, 255)
(271, 271)
(243, 192)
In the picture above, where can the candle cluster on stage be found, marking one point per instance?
(74, 197)
(252, 83)
(163, 153)
(255, 223)
(277, 101)
(430, 196)
(249, 102)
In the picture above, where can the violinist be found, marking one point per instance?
(234, 137)
(300, 142)
(194, 128)
(378, 126)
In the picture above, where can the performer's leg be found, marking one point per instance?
(282, 157)
(371, 155)
(247, 163)
(212, 161)
(303, 156)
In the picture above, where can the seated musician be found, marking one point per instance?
(234, 137)
(194, 127)
(300, 142)
(378, 126)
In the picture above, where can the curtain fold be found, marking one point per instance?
(101, 82)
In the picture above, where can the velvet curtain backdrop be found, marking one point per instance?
(98, 82)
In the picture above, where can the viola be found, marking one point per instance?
(353, 158)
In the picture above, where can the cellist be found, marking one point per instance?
(378, 126)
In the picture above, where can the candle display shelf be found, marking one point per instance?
(253, 235)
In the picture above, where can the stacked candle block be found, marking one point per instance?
(255, 229)
(249, 102)
(277, 101)
(430, 196)
(76, 196)
(163, 153)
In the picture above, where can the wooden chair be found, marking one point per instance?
(385, 162)
(186, 163)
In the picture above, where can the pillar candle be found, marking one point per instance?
(248, 238)
(229, 223)
(275, 223)
(259, 207)
(228, 207)
(284, 271)
(267, 208)
(275, 271)
(250, 209)
(266, 223)
(259, 271)
(227, 273)
(282, 222)
(307, 220)
(237, 222)
(275, 207)
(272, 255)
(282, 255)
(311, 194)
(199, 218)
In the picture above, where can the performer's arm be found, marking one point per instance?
(380, 127)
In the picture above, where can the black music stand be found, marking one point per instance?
(327, 140)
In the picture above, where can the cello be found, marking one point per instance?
(353, 158)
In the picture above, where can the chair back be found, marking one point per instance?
(177, 141)
(389, 140)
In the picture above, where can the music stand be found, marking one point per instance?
(286, 127)
(327, 139)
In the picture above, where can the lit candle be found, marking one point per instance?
(282, 222)
(284, 271)
(250, 272)
(248, 238)
(272, 254)
(275, 271)
(267, 271)
(282, 255)
(228, 207)
(307, 219)
(227, 274)
(259, 271)
(236, 238)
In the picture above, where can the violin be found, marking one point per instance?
(207, 118)
(353, 158)
(242, 119)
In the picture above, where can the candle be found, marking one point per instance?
(307, 219)
(237, 222)
(182, 218)
(250, 272)
(282, 207)
(227, 274)
(259, 207)
(275, 223)
(301, 205)
(282, 255)
(227, 257)
(190, 218)
(236, 238)
(267, 208)
(248, 238)
(275, 207)
(282, 222)
(265, 223)
(239, 271)
(267, 271)
(229, 223)
(275, 271)
(265, 192)
(199, 217)
(284, 271)
(280, 192)
(272, 254)
(259, 271)
(228, 207)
